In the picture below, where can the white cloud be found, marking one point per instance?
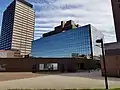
(44, 29)
(96, 12)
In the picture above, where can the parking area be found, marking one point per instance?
(59, 81)
(4, 76)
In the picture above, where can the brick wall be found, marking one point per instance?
(25, 64)
(112, 65)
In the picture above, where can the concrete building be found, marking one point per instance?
(116, 16)
(63, 27)
(10, 54)
(76, 42)
(18, 27)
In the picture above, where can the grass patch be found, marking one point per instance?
(116, 89)
(64, 89)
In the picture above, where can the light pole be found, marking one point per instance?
(104, 64)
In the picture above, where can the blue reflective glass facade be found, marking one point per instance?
(64, 44)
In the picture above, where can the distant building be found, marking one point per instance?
(63, 27)
(73, 42)
(17, 27)
(116, 16)
(10, 54)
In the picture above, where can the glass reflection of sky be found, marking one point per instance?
(63, 44)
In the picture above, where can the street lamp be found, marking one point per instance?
(98, 46)
(104, 64)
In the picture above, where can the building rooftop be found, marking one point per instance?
(25, 2)
(68, 25)
(112, 45)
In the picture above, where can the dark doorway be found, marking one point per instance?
(34, 68)
(80, 66)
(62, 68)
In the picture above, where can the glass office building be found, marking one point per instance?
(78, 41)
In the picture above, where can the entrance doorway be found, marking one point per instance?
(80, 66)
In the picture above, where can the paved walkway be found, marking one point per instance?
(68, 80)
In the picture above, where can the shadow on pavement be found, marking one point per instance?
(90, 75)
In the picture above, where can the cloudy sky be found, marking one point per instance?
(49, 13)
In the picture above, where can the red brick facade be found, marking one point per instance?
(112, 65)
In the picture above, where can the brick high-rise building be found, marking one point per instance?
(18, 27)
(116, 16)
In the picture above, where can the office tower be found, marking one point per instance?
(76, 42)
(116, 16)
(18, 27)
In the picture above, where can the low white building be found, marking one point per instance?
(10, 54)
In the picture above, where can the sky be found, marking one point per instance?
(49, 13)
